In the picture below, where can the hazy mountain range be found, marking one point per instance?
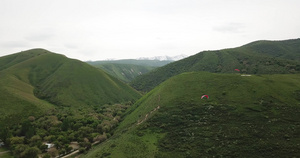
(162, 58)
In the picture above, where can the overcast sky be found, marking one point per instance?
(122, 29)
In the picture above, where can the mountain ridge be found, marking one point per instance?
(248, 59)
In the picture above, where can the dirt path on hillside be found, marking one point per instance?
(74, 152)
(146, 116)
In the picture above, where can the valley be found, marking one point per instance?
(128, 69)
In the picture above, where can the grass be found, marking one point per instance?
(66, 86)
(255, 116)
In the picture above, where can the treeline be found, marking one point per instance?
(61, 127)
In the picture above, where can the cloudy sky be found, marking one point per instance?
(122, 29)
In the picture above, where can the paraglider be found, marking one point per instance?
(237, 70)
(204, 96)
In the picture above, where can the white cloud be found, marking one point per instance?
(39, 37)
(230, 28)
(92, 29)
(14, 44)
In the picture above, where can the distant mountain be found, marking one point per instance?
(261, 57)
(163, 58)
(140, 62)
(37, 80)
(124, 72)
(127, 69)
(245, 116)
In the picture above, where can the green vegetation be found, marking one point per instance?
(46, 97)
(30, 76)
(288, 49)
(61, 127)
(262, 57)
(245, 116)
(124, 72)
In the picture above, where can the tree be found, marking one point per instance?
(77, 125)
(31, 118)
(57, 144)
(106, 126)
(14, 141)
(5, 134)
(27, 129)
(30, 133)
(43, 147)
(19, 149)
(35, 140)
(86, 144)
(68, 148)
(82, 149)
(62, 151)
(65, 125)
(53, 152)
(100, 138)
(47, 156)
(41, 132)
(85, 131)
(50, 138)
(31, 152)
(63, 139)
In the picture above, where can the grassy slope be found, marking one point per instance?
(57, 79)
(124, 72)
(255, 116)
(260, 57)
(17, 98)
(74, 81)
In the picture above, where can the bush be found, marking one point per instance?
(82, 150)
(47, 156)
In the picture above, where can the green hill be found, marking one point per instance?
(261, 57)
(245, 116)
(288, 49)
(37, 79)
(124, 72)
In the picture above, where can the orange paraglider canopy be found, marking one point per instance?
(237, 70)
